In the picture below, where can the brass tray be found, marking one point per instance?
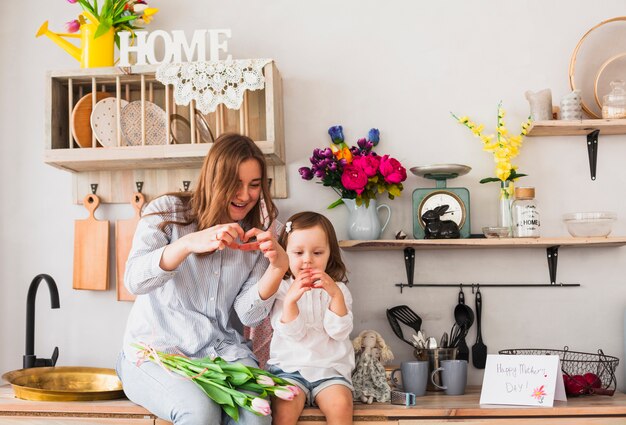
(65, 383)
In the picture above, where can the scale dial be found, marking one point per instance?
(456, 211)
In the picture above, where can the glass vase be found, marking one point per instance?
(504, 205)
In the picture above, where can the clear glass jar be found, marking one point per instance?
(614, 105)
(525, 213)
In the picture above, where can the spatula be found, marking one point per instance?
(479, 350)
(404, 314)
(395, 326)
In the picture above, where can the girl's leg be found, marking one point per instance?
(287, 412)
(167, 395)
(335, 402)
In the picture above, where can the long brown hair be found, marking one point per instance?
(218, 184)
(306, 220)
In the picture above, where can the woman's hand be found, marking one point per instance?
(215, 238)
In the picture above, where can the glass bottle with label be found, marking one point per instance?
(525, 213)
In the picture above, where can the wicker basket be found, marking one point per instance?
(578, 363)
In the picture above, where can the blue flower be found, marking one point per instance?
(336, 134)
(374, 136)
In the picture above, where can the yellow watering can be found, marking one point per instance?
(93, 52)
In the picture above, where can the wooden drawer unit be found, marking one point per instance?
(163, 164)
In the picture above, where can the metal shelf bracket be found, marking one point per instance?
(592, 150)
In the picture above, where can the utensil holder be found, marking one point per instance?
(434, 356)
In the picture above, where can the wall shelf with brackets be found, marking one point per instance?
(182, 144)
(590, 128)
(551, 245)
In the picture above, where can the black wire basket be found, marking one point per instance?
(578, 363)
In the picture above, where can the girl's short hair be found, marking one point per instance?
(306, 220)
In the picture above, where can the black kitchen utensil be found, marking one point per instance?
(479, 350)
(464, 317)
(403, 314)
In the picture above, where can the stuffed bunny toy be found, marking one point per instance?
(435, 228)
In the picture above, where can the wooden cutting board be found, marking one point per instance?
(124, 232)
(91, 250)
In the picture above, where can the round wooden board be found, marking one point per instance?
(81, 118)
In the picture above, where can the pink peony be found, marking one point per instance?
(392, 170)
(368, 163)
(354, 178)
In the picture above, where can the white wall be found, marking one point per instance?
(397, 65)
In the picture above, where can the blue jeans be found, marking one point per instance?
(310, 389)
(176, 399)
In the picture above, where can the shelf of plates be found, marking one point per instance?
(592, 128)
(154, 141)
(551, 246)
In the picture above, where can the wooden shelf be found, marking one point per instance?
(576, 128)
(140, 157)
(424, 244)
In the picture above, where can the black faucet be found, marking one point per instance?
(30, 360)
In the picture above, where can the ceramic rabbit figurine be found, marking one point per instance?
(435, 228)
(540, 104)
(571, 108)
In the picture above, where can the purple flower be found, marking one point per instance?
(319, 173)
(72, 26)
(336, 134)
(306, 173)
(327, 153)
(365, 145)
(373, 136)
(332, 166)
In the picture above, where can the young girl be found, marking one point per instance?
(312, 321)
(192, 264)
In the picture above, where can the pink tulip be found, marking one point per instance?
(260, 405)
(295, 390)
(265, 380)
(284, 393)
(72, 26)
(72, 1)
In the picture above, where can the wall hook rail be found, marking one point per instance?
(487, 285)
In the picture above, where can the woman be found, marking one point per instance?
(194, 260)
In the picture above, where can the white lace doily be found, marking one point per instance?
(212, 83)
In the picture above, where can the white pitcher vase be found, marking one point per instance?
(363, 222)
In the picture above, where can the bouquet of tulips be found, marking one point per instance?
(224, 382)
(355, 172)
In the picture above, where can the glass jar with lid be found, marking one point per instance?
(525, 213)
(614, 105)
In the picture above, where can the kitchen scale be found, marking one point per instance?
(457, 198)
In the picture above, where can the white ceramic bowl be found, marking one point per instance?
(589, 224)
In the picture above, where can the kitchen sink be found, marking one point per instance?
(65, 383)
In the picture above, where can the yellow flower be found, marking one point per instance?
(148, 14)
(463, 120)
(478, 130)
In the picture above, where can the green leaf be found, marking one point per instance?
(238, 378)
(103, 28)
(490, 179)
(218, 395)
(124, 19)
(334, 204)
(394, 190)
(231, 411)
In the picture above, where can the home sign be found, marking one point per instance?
(176, 47)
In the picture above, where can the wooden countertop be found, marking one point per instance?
(432, 405)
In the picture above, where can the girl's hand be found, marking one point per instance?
(303, 283)
(323, 281)
(214, 238)
(257, 239)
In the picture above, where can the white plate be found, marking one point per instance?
(104, 120)
(156, 122)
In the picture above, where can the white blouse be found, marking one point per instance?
(317, 343)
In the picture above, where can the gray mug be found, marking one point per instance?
(453, 376)
(414, 377)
